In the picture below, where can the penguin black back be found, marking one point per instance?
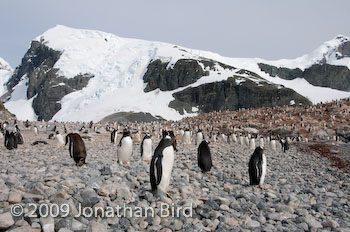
(204, 157)
(76, 148)
(10, 140)
(156, 162)
(147, 136)
(255, 166)
(113, 135)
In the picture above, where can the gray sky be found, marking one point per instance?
(269, 29)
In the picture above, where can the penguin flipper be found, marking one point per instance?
(159, 168)
(152, 175)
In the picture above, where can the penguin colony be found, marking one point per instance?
(163, 157)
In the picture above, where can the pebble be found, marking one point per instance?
(6, 220)
(294, 198)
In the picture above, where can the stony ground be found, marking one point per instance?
(303, 191)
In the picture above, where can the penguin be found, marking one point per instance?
(77, 149)
(10, 140)
(137, 138)
(252, 144)
(187, 137)
(199, 137)
(146, 148)
(36, 130)
(162, 164)
(234, 138)
(257, 167)
(114, 136)
(124, 149)
(19, 137)
(273, 145)
(59, 139)
(261, 142)
(246, 141)
(204, 157)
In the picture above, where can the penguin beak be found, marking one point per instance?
(265, 148)
(177, 138)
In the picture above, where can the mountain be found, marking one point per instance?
(81, 75)
(5, 74)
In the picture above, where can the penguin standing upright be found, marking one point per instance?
(261, 142)
(10, 140)
(76, 148)
(257, 167)
(252, 144)
(59, 139)
(114, 136)
(234, 138)
(162, 165)
(187, 137)
(36, 130)
(146, 148)
(124, 149)
(199, 137)
(137, 137)
(204, 157)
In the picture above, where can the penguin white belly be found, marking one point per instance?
(59, 140)
(199, 138)
(252, 144)
(234, 138)
(273, 145)
(147, 149)
(246, 141)
(261, 142)
(187, 138)
(167, 167)
(182, 132)
(116, 137)
(263, 173)
(124, 151)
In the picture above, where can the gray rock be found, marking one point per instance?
(6, 220)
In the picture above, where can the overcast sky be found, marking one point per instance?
(269, 29)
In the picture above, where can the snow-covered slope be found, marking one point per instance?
(5, 74)
(118, 65)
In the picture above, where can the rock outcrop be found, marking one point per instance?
(325, 75)
(184, 72)
(230, 95)
(44, 84)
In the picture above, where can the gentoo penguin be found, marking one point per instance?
(162, 165)
(273, 145)
(146, 148)
(257, 167)
(252, 144)
(187, 137)
(246, 141)
(10, 140)
(124, 149)
(234, 138)
(204, 157)
(284, 145)
(137, 138)
(19, 137)
(261, 142)
(76, 148)
(114, 136)
(36, 130)
(59, 139)
(199, 137)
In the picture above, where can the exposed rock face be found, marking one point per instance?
(228, 95)
(5, 114)
(43, 81)
(325, 75)
(183, 73)
(344, 50)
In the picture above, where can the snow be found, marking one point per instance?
(118, 65)
(19, 104)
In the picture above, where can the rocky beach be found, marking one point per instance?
(303, 190)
